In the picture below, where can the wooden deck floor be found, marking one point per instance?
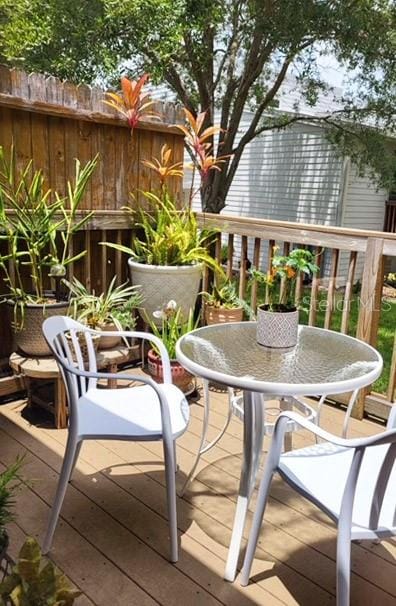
(112, 539)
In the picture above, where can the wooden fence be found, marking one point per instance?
(54, 122)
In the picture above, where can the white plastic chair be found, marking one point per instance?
(352, 481)
(146, 412)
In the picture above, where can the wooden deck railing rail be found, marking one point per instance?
(257, 237)
(390, 216)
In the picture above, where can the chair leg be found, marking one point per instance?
(262, 498)
(69, 460)
(170, 468)
(76, 455)
(343, 568)
(175, 456)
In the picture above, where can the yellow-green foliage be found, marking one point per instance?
(34, 582)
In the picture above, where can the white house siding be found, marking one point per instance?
(288, 175)
(363, 208)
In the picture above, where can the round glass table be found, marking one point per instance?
(322, 363)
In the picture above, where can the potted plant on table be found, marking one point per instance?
(277, 318)
(173, 325)
(37, 227)
(168, 255)
(109, 311)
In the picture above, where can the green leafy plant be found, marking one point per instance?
(391, 279)
(109, 307)
(173, 326)
(170, 236)
(37, 226)
(280, 281)
(224, 294)
(10, 481)
(35, 581)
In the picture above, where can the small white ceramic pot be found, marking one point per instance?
(277, 328)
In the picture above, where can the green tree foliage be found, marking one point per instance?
(225, 55)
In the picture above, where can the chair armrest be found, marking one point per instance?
(380, 438)
(147, 336)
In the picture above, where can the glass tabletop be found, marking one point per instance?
(323, 361)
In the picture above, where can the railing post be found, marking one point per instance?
(370, 304)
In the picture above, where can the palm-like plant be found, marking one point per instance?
(10, 481)
(37, 226)
(163, 166)
(99, 310)
(134, 103)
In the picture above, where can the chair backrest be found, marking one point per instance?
(73, 348)
(382, 485)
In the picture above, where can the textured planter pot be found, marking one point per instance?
(161, 283)
(30, 340)
(221, 315)
(180, 376)
(277, 328)
(83, 345)
(108, 342)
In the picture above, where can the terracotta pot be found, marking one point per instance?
(30, 340)
(108, 342)
(180, 376)
(277, 329)
(221, 315)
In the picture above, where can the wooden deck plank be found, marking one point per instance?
(297, 565)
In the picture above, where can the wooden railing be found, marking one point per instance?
(390, 216)
(340, 252)
(254, 239)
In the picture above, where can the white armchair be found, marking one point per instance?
(352, 481)
(146, 412)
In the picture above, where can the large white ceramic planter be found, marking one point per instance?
(277, 329)
(161, 283)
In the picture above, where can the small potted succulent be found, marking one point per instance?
(109, 311)
(10, 481)
(223, 304)
(173, 325)
(277, 318)
(36, 226)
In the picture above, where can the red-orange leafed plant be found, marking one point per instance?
(163, 166)
(198, 141)
(134, 104)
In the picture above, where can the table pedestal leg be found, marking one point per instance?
(285, 404)
(60, 411)
(253, 434)
(112, 383)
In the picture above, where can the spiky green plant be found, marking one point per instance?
(36, 226)
(171, 235)
(10, 481)
(96, 310)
